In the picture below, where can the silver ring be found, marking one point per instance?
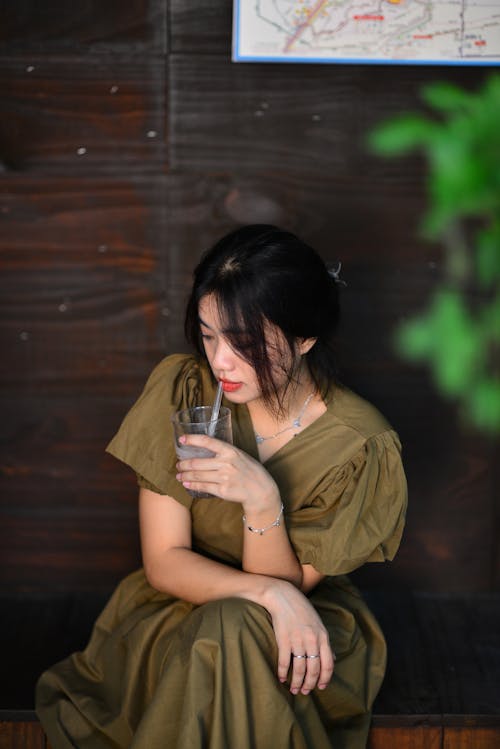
(298, 656)
(313, 656)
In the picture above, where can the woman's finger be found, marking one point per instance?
(209, 443)
(299, 667)
(283, 663)
(199, 475)
(327, 659)
(198, 464)
(313, 668)
(205, 487)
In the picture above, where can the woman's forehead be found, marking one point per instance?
(213, 315)
(210, 312)
(212, 308)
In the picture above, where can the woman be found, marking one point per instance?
(242, 630)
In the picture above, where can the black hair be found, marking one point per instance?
(260, 273)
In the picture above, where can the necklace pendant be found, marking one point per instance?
(296, 424)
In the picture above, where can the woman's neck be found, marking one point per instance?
(304, 405)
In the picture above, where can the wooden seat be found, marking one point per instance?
(441, 691)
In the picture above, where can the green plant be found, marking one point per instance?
(458, 335)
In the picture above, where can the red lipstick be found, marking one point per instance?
(230, 387)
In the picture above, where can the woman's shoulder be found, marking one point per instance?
(177, 381)
(181, 378)
(356, 414)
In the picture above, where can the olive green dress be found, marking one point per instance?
(162, 673)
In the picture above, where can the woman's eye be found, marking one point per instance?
(243, 344)
(207, 337)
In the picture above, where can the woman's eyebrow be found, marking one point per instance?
(230, 331)
(202, 322)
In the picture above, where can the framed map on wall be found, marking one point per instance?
(439, 32)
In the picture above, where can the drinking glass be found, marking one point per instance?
(198, 420)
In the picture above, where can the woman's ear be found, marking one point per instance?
(305, 344)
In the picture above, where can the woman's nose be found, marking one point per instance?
(223, 357)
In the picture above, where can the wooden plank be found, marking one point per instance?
(409, 684)
(68, 552)
(471, 738)
(138, 25)
(441, 548)
(415, 737)
(82, 285)
(80, 350)
(112, 220)
(208, 29)
(298, 119)
(68, 518)
(80, 115)
(443, 655)
(63, 626)
(21, 736)
(434, 732)
(462, 639)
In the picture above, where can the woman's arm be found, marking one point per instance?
(170, 564)
(272, 554)
(236, 477)
(173, 567)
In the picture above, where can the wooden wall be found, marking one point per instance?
(128, 143)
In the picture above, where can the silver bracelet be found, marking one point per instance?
(260, 531)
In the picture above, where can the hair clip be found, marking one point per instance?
(335, 274)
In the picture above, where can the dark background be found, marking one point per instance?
(129, 142)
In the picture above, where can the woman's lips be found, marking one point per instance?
(230, 387)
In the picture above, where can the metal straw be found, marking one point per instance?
(215, 411)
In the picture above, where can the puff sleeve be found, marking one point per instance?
(144, 440)
(358, 513)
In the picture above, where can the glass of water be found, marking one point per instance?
(198, 420)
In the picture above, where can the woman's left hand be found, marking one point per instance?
(231, 474)
(305, 655)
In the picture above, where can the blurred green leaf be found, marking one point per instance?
(446, 97)
(458, 349)
(401, 135)
(484, 404)
(447, 336)
(461, 144)
(490, 320)
(414, 339)
(488, 255)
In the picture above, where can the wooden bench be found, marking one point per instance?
(442, 688)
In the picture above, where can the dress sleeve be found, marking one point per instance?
(145, 440)
(359, 515)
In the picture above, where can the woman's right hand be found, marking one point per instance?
(230, 474)
(299, 633)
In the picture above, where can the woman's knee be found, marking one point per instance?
(234, 612)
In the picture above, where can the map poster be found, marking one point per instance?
(446, 32)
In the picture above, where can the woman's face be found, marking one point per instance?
(238, 377)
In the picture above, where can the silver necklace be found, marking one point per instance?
(296, 424)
